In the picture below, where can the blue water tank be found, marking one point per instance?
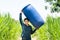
(33, 16)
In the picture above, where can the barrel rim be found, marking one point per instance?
(25, 7)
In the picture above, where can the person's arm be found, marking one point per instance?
(20, 18)
(33, 31)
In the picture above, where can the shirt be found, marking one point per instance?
(26, 30)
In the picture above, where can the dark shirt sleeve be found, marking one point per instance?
(20, 18)
(33, 31)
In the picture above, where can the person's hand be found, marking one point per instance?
(37, 28)
(20, 12)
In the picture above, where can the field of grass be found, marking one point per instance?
(10, 29)
(50, 30)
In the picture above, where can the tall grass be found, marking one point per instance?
(9, 28)
(54, 28)
(50, 30)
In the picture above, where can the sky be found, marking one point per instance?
(14, 7)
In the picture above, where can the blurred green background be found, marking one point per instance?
(10, 29)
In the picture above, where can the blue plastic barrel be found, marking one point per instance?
(33, 16)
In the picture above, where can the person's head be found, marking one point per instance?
(26, 21)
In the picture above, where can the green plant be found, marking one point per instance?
(53, 27)
(9, 28)
(50, 30)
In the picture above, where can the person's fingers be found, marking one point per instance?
(21, 11)
(37, 27)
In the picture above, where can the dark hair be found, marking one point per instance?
(26, 19)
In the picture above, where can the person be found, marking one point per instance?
(26, 28)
